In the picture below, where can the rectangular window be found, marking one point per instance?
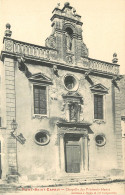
(40, 100)
(98, 106)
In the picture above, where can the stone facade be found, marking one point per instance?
(60, 134)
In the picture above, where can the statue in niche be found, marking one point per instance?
(73, 112)
(68, 42)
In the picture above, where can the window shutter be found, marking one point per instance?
(98, 106)
(40, 100)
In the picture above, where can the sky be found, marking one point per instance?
(103, 24)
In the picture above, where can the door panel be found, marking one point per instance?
(73, 159)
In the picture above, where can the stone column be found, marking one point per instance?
(62, 153)
(82, 154)
(86, 155)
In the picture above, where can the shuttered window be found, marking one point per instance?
(40, 100)
(98, 106)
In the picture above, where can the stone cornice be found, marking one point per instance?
(73, 127)
(66, 18)
(50, 63)
(73, 124)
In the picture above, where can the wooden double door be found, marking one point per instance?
(72, 153)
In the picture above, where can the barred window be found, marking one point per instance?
(40, 100)
(98, 106)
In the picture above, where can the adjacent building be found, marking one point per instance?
(60, 109)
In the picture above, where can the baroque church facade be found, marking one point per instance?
(60, 109)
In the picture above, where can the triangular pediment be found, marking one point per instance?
(99, 88)
(40, 78)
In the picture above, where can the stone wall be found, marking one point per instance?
(39, 158)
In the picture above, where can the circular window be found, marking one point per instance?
(70, 83)
(42, 137)
(100, 140)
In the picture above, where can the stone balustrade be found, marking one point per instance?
(29, 50)
(39, 52)
(101, 66)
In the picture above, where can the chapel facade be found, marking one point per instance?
(60, 109)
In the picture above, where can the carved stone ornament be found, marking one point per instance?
(63, 107)
(99, 121)
(84, 50)
(55, 70)
(9, 45)
(99, 88)
(69, 59)
(54, 95)
(51, 41)
(115, 59)
(8, 32)
(38, 116)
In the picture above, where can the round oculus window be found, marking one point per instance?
(100, 140)
(70, 83)
(42, 137)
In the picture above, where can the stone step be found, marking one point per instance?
(82, 177)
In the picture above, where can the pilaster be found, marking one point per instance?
(118, 131)
(62, 153)
(9, 68)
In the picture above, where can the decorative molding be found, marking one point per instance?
(40, 78)
(63, 106)
(51, 42)
(74, 127)
(99, 88)
(9, 45)
(55, 70)
(22, 67)
(69, 59)
(35, 52)
(87, 77)
(115, 79)
(73, 97)
(38, 116)
(98, 121)
(87, 73)
(84, 50)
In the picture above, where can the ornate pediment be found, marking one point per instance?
(73, 96)
(99, 88)
(40, 78)
(76, 127)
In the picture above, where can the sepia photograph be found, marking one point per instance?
(62, 97)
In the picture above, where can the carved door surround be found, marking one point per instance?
(66, 130)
